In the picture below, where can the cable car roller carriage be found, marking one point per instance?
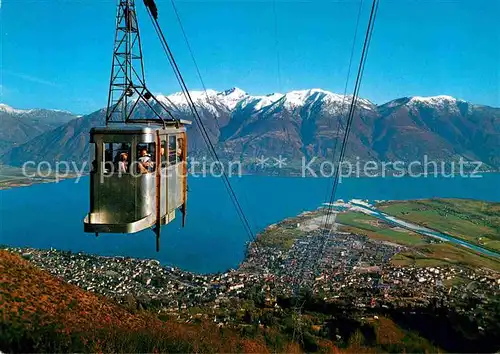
(138, 175)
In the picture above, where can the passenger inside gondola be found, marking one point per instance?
(172, 150)
(145, 163)
(116, 158)
(108, 158)
(123, 163)
(163, 154)
(179, 149)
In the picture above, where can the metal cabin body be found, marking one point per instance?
(138, 176)
(131, 199)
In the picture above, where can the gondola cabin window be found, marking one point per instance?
(163, 153)
(146, 157)
(180, 147)
(116, 158)
(172, 149)
(92, 161)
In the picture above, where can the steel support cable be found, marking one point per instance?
(352, 108)
(187, 96)
(343, 108)
(357, 86)
(349, 117)
(191, 52)
(170, 60)
(339, 123)
(359, 76)
(205, 134)
(157, 30)
(276, 43)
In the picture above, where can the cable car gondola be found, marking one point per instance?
(138, 176)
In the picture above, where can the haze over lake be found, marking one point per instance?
(51, 215)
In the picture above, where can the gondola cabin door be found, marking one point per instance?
(138, 177)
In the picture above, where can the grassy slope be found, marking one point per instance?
(41, 313)
(475, 221)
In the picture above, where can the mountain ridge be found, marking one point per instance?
(305, 123)
(18, 126)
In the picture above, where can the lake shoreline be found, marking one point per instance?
(211, 241)
(20, 182)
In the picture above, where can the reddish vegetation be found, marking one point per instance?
(41, 313)
(33, 300)
(387, 332)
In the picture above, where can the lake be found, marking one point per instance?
(51, 215)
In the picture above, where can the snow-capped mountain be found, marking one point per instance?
(4, 108)
(230, 98)
(17, 126)
(435, 102)
(236, 99)
(210, 100)
(8, 109)
(307, 123)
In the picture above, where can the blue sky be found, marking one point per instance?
(57, 53)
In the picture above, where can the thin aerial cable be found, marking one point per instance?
(168, 57)
(278, 63)
(209, 99)
(359, 76)
(204, 134)
(352, 108)
(343, 108)
(180, 80)
(276, 44)
(191, 52)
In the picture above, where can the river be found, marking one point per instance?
(370, 210)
